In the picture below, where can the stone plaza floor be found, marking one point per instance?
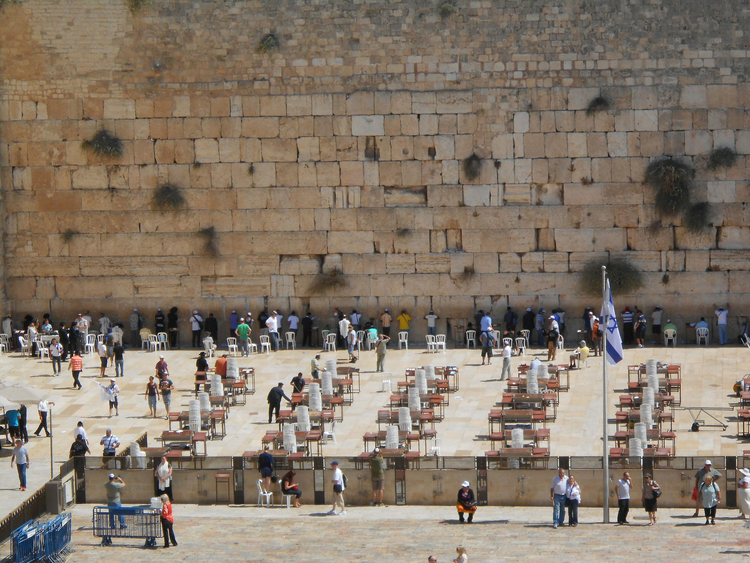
(708, 375)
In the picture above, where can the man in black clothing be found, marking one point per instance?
(298, 384)
(212, 327)
(528, 320)
(159, 321)
(172, 326)
(511, 320)
(307, 323)
(64, 339)
(274, 401)
(262, 318)
(79, 447)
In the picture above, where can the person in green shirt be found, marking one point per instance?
(243, 331)
(670, 326)
(377, 475)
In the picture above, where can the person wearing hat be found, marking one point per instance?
(196, 325)
(743, 494)
(700, 475)
(431, 317)
(466, 502)
(274, 401)
(242, 332)
(627, 317)
(272, 324)
(110, 443)
(233, 323)
(113, 488)
(511, 320)
(385, 323)
(338, 489)
(201, 364)
(161, 367)
(113, 391)
(721, 323)
(377, 476)
(78, 447)
(578, 357)
(487, 339)
(298, 385)
(212, 328)
(648, 498)
(552, 336)
(670, 326)
(527, 322)
(640, 328)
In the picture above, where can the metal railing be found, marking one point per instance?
(32, 508)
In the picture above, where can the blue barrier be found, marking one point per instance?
(127, 522)
(48, 541)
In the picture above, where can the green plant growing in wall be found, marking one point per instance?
(623, 277)
(600, 103)
(672, 181)
(328, 281)
(136, 5)
(268, 44)
(696, 216)
(168, 198)
(68, 235)
(721, 157)
(448, 9)
(211, 240)
(104, 143)
(472, 166)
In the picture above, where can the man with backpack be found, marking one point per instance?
(488, 342)
(339, 486)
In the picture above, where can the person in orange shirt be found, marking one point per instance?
(167, 521)
(76, 366)
(220, 366)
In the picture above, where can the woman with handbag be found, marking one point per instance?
(651, 492)
(572, 500)
(289, 487)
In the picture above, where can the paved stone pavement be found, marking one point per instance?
(403, 534)
(708, 376)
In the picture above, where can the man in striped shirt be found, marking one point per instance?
(627, 324)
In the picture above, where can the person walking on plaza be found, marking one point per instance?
(55, 353)
(298, 385)
(385, 322)
(152, 395)
(338, 489)
(79, 447)
(573, 499)
(43, 408)
(377, 476)
(75, 365)
(466, 503)
(743, 494)
(462, 556)
(274, 401)
(243, 331)
(114, 487)
(167, 521)
(623, 498)
(113, 391)
(315, 367)
(649, 497)
(381, 347)
(710, 496)
(165, 388)
(558, 490)
(487, 339)
(80, 431)
(110, 443)
(700, 475)
(21, 458)
(721, 323)
(118, 351)
(23, 432)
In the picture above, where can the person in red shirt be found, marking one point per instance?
(76, 366)
(167, 520)
(220, 366)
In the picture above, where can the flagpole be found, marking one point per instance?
(605, 434)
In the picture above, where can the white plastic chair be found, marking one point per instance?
(440, 342)
(25, 347)
(268, 496)
(330, 433)
(670, 334)
(371, 340)
(360, 339)
(430, 343)
(386, 388)
(291, 339)
(560, 342)
(521, 345)
(265, 343)
(252, 347)
(526, 335)
(145, 333)
(90, 346)
(163, 339)
(471, 338)
(232, 345)
(99, 339)
(498, 339)
(435, 449)
(507, 342)
(701, 334)
(209, 348)
(330, 342)
(285, 498)
(403, 338)
(4, 342)
(41, 349)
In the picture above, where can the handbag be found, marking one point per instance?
(694, 496)
(567, 501)
(656, 493)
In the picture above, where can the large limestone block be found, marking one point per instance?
(554, 261)
(574, 240)
(387, 285)
(734, 238)
(577, 261)
(704, 240)
(279, 150)
(694, 97)
(206, 150)
(730, 260)
(301, 242)
(602, 194)
(411, 241)
(90, 178)
(119, 109)
(369, 125)
(236, 286)
(126, 265)
(532, 262)
(555, 145)
(288, 265)
(96, 287)
(454, 101)
(580, 98)
(645, 261)
(610, 239)
(358, 242)
(400, 263)
(721, 191)
(697, 260)
(651, 239)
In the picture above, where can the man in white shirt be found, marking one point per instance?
(196, 325)
(431, 318)
(42, 408)
(343, 328)
(112, 391)
(338, 489)
(104, 323)
(293, 321)
(557, 491)
(79, 431)
(623, 498)
(656, 323)
(721, 321)
(272, 324)
(355, 319)
(102, 349)
(507, 353)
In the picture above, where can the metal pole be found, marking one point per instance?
(51, 455)
(605, 433)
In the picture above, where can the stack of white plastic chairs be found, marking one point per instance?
(205, 401)
(430, 373)
(532, 381)
(194, 420)
(137, 457)
(217, 388)
(636, 448)
(420, 381)
(516, 437)
(391, 437)
(315, 400)
(641, 433)
(233, 370)
(543, 371)
(290, 439)
(331, 367)
(326, 381)
(303, 418)
(413, 399)
(404, 419)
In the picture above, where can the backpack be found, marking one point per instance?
(345, 480)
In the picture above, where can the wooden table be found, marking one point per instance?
(529, 435)
(514, 416)
(377, 439)
(527, 457)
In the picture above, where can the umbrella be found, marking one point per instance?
(20, 393)
(7, 404)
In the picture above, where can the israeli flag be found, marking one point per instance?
(609, 320)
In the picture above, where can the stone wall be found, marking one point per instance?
(343, 151)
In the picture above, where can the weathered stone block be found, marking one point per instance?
(206, 150)
(370, 125)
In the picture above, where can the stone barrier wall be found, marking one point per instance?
(333, 170)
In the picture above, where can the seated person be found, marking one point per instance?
(201, 363)
(46, 327)
(670, 326)
(466, 503)
(220, 366)
(289, 487)
(579, 355)
(208, 343)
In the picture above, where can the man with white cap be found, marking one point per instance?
(272, 324)
(700, 475)
(196, 325)
(377, 476)
(113, 390)
(721, 323)
(161, 367)
(114, 486)
(466, 503)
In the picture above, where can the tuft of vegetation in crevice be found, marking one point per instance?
(672, 181)
(623, 277)
(335, 279)
(68, 235)
(448, 9)
(168, 198)
(402, 232)
(665, 279)
(722, 157)
(268, 44)
(136, 5)
(211, 240)
(600, 103)
(472, 166)
(250, 170)
(695, 219)
(104, 143)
